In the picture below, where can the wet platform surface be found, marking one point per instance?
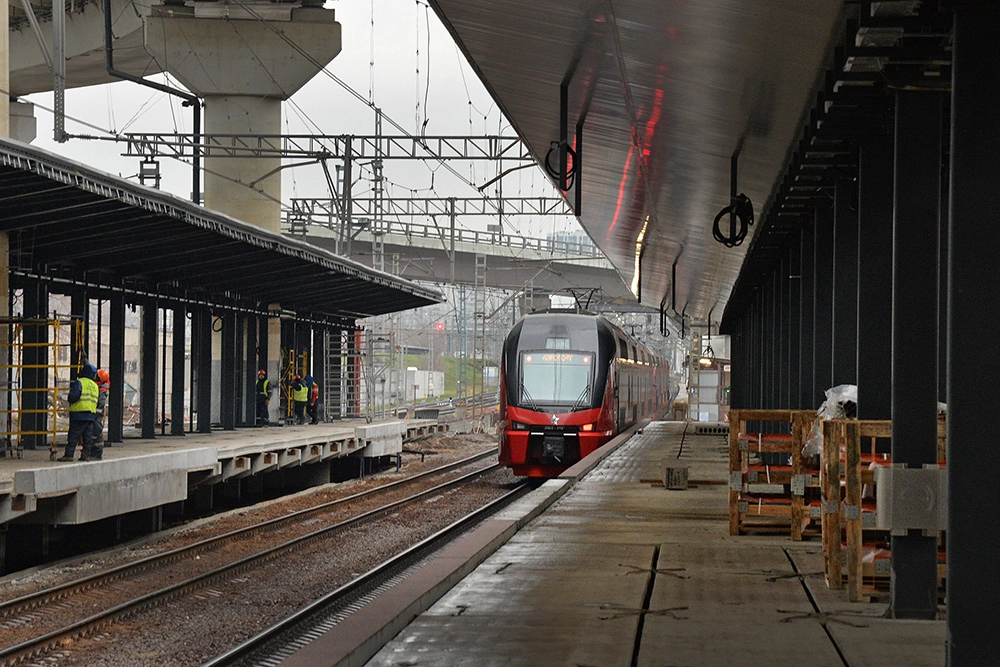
(620, 571)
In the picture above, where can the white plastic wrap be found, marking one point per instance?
(841, 401)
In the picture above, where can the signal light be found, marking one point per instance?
(439, 326)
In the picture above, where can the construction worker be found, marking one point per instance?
(300, 394)
(103, 387)
(263, 398)
(83, 395)
(312, 409)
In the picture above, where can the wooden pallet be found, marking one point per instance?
(846, 516)
(780, 508)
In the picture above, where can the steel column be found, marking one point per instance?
(177, 371)
(845, 284)
(147, 370)
(914, 333)
(807, 342)
(79, 309)
(794, 323)
(249, 327)
(784, 310)
(227, 401)
(823, 304)
(875, 178)
(202, 336)
(115, 411)
(973, 353)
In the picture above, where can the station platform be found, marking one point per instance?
(140, 474)
(611, 568)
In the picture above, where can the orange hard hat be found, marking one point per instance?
(103, 376)
(261, 373)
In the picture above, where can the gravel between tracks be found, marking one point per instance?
(198, 626)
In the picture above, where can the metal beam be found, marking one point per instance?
(325, 147)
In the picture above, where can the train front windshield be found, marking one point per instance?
(561, 378)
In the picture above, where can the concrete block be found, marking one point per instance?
(382, 439)
(236, 467)
(264, 462)
(290, 457)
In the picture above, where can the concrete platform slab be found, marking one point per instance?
(620, 571)
(144, 473)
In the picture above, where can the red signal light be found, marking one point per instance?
(439, 326)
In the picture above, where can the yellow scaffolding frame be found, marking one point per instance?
(62, 358)
(293, 363)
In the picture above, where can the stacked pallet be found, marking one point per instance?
(767, 498)
(854, 551)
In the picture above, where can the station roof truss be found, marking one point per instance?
(69, 223)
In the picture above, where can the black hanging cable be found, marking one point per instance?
(741, 211)
(565, 179)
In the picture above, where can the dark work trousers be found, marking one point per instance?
(262, 417)
(300, 412)
(80, 431)
(313, 411)
(97, 433)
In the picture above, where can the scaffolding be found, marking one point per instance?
(295, 363)
(38, 358)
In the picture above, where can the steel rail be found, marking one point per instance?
(13, 607)
(376, 576)
(33, 648)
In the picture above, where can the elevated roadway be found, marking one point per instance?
(429, 253)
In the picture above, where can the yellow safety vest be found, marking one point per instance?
(88, 397)
(301, 395)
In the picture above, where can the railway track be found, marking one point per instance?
(33, 626)
(282, 639)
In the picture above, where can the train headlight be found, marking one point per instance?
(518, 426)
(587, 427)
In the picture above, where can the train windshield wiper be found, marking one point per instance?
(582, 400)
(527, 399)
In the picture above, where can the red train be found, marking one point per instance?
(569, 382)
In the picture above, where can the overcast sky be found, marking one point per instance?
(395, 53)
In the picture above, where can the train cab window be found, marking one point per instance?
(556, 378)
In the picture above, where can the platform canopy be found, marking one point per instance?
(669, 110)
(70, 223)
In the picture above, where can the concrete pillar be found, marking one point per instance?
(244, 67)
